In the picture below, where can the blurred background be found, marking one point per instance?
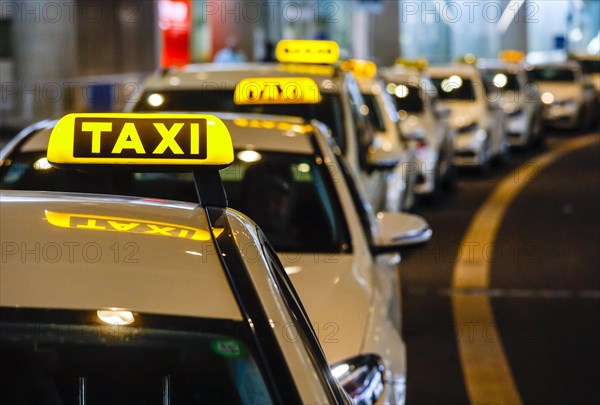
(90, 55)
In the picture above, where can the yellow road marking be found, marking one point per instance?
(488, 377)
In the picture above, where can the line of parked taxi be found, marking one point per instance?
(236, 236)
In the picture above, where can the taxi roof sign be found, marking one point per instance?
(199, 143)
(420, 64)
(175, 142)
(277, 90)
(511, 55)
(364, 69)
(468, 59)
(307, 51)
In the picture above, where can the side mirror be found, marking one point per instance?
(379, 159)
(361, 377)
(398, 230)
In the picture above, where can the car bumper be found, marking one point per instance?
(426, 172)
(469, 149)
(561, 117)
(517, 129)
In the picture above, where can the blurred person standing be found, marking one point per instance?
(232, 52)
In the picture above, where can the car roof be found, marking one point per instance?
(226, 76)
(586, 56)
(402, 74)
(569, 64)
(456, 69)
(494, 64)
(145, 255)
(275, 133)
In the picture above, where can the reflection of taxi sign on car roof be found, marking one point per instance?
(323, 70)
(420, 64)
(277, 90)
(511, 55)
(307, 51)
(364, 69)
(183, 141)
(130, 225)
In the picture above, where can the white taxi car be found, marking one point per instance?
(568, 95)
(210, 87)
(518, 96)
(590, 66)
(389, 139)
(109, 299)
(479, 122)
(287, 177)
(424, 121)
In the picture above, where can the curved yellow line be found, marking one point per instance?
(487, 374)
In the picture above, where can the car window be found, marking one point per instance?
(289, 195)
(328, 111)
(375, 115)
(590, 66)
(454, 88)
(406, 97)
(501, 79)
(552, 74)
(59, 357)
(361, 205)
(363, 130)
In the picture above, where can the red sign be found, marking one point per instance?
(174, 19)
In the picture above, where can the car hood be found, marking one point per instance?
(561, 91)
(463, 113)
(336, 298)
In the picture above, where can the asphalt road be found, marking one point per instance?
(544, 283)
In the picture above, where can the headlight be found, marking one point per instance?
(467, 128)
(362, 377)
(547, 98)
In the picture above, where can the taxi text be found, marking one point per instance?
(142, 138)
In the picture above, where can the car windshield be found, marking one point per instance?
(328, 111)
(501, 79)
(406, 97)
(552, 74)
(290, 196)
(590, 66)
(73, 357)
(454, 88)
(375, 114)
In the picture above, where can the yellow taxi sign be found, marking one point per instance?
(364, 69)
(511, 55)
(277, 90)
(468, 59)
(420, 64)
(307, 51)
(129, 225)
(182, 141)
